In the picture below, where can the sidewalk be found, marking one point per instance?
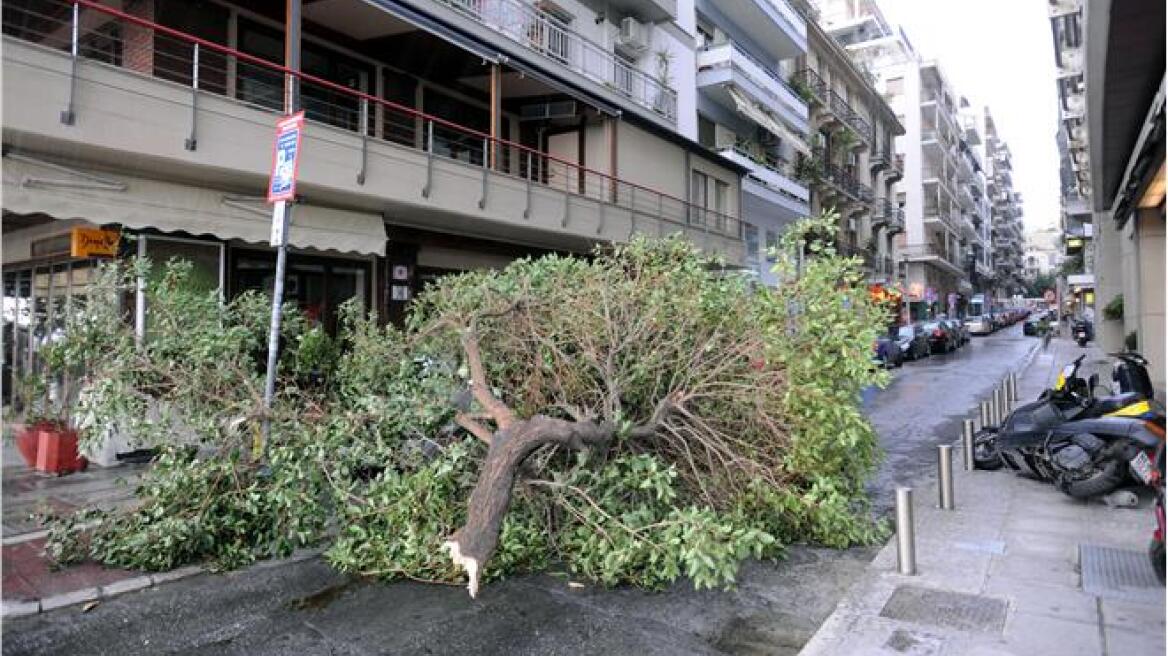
(29, 585)
(1017, 568)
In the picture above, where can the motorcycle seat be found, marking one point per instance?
(1106, 404)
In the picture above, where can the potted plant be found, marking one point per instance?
(47, 442)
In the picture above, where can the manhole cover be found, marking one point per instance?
(1119, 574)
(952, 610)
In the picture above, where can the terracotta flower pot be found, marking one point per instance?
(27, 440)
(57, 450)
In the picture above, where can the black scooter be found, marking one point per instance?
(1067, 436)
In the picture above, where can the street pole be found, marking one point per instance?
(284, 215)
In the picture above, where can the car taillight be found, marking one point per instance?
(938, 333)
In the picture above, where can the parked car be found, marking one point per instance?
(1030, 326)
(983, 325)
(941, 340)
(888, 352)
(913, 341)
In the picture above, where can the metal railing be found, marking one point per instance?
(538, 30)
(755, 70)
(814, 83)
(206, 67)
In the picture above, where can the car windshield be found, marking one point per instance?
(932, 326)
(905, 332)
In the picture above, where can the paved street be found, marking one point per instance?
(306, 608)
(927, 399)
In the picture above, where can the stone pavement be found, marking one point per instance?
(29, 583)
(1011, 571)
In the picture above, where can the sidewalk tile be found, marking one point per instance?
(1124, 642)
(1025, 567)
(1059, 602)
(1027, 633)
(1132, 616)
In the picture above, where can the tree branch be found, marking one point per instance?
(498, 410)
(472, 426)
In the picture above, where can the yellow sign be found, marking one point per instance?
(94, 242)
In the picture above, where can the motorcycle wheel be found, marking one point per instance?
(985, 452)
(1156, 554)
(1107, 477)
(1038, 467)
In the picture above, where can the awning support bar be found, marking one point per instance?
(89, 181)
(67, 116)
(192, 141)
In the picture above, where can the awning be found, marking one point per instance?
(33, 186)
(751, 110)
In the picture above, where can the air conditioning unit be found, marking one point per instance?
(1079, 133)
(1072, 59)
(633, 38)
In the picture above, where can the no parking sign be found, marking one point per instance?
(286, 158)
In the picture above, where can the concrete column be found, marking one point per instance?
(496, 84)
(1108, 280)
(1149, 232)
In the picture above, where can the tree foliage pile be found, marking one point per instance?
(634, 417)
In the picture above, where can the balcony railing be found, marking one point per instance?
(776, 173)
(931, 252)
(206, 67)
(816, 85)
(779, 92)
(848, 116)
(540, 31)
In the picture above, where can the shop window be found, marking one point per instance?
(772, 246)
(318, 286)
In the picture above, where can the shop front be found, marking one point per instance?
(50, 210)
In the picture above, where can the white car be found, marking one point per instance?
(982, 325)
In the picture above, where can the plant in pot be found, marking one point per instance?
(47, 442)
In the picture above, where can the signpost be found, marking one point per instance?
(282, 190)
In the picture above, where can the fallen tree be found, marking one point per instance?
(636, 416)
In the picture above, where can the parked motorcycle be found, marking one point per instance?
(1082, 332)
(1085, 444)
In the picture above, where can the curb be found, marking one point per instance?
(24, 607)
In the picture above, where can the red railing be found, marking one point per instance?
(93, 31)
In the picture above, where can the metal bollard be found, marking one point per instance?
(967, 443)
(996, 407)
(986, 418)
(1005, 397)
(906, 553)
(1012, 381)
(945, 476)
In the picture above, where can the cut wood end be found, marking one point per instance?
(467, 563)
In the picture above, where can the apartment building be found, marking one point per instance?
(1121, 102)
(1078, 289)
(1043, 252)
(853, 166)
(934, 252)
(1006, 215)
(749, 114)
(441, 136)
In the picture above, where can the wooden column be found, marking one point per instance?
(496, 111)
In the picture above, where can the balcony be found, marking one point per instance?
(778, 185)
(896, 172)
(362, 152)
(940, 216)
(653, 11)
(728, 64)
(932, 254)
(773, 24)
(815, 86)
(890, 216)
(557, 43)
(843, 114)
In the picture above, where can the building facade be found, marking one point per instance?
(1006, 216)
(441, 136)
(944, 189)
(747, 112)
(1122, 105)
(853, 166)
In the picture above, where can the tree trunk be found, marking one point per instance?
(472, 545)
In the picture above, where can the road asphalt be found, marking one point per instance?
(305, 608)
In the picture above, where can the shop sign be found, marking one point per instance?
(286, 158)
(94, 242)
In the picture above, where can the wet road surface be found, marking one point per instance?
(926, 401)
(307, 608)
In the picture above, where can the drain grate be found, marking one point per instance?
(1119, 574)
(951, 610)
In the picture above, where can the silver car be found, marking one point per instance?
(982, 325)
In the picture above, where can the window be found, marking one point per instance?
(894, 86)
(699, 196)
(750, 233)
(772, 246)
(721, 200)
(706, 132)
